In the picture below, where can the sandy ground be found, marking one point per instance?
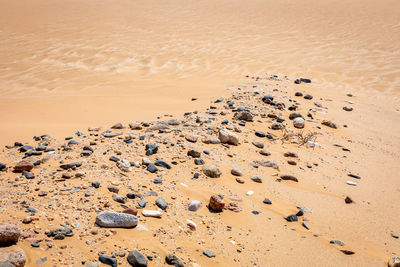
(67, 65)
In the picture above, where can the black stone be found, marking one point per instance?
(136, 259)
(163, 164)
(28, 175)
(96, 184)
(115, 159)
(151, 168)
(108, 261)
(198, 161)
(25, 148)
(260, 134)
(151, 149)
(267, 201)
(2, 166)
(171, 259)
(291, 218)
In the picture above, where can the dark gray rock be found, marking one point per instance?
(136, 259)
(209, 253)
(151, 149)
(116, 219)
(161, 203)
(171, 259)
(108, 261)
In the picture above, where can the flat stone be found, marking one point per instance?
(108, 261)
(152, 213)
(116, 219)
(209, 253)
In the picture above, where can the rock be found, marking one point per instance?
(116, 219)
(267, 201)
(265, 152)
(131, 210)
(256, 179)
(151, 149)
(290, 154)
(72, 165)
(108, 261)
(117, 126)
(305, 225)
(2, 166)
(347, 252)
(94, 264)
(258, 144)
(171, 259)
(25, 148)
(289, 177)
(260, 134)
(266, 163)
(233, 206)
(291, 218)
(348, 108)
(209, 253)
(295, 115)
(240, 180)
(158, 127)
(198, 161)
(338, 242)
(351, 183)
(394, 262)
(161, 203)
(244, 116)
(236, 172)
(151, 168)
(136, 259)
(193, 153)
(211, 171)
(302, 80)
(348, 200)
(119, 198)
(60, 233)
(9, 234)
(191, 138)
(228, 137)
(299, 123)
(277, 126)
(163, 164)
(308, 97)
(329, 124)
(211, 140)
(23, 165)
(13, 257)
(250, 193)
(113, 188)
(298, 94)
(216, 203)
(152, 213)
(124, 165)
(135, 126)
(194, 205)
(96, 184)
(28, 175)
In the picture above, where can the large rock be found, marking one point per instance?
(9, 234)
(228, 137)
(216, 203)
(23, 165)
(211, 170)
(13, 257)
(244, 116)
(299, 123)
(116, 219)
(394, 262)
(136, 259)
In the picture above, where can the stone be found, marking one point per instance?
(290, 154)
(258, 144)
(298, 94)
(348, 108)
(136, 259)
(236, 172)
(135, 126)
(151, 149)
(2, 166)
(240, 180)
(113, 188)
(191, 138)
(28, 175)
(277, 126)
(9, 234)
(194, 205)
(131, 210)
(233, 206)
(60, 233)
(256, 179)
(108, 261)
(244, 116)
(117, 126)
(308, 97)
(163, 164)
(24, 165)
(119, 198)
(211, 171)
(265, 152)
(338, 242)
(266, 163)
(216, 203)
(291, 218)
(209, 253)
(193, 153)
(116, 219)
(124, 165)
(394, 262)
(228, 137)
(348, 200)
(25, 148)
(329, 124)
(161, 203)
(171, 259)
(96, 184)
(289, 177)
(299, 123)
(13, 257)
(267, 201)
(260, 134)
(152, 213)
(199, 161)
(151, 168)
(211, 140)
(295, 115)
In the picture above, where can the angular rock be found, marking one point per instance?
(151, 149)
(216, 203)
(108, 261)
(124, 165)
(116, 219)
(171, 259)
(193, 153)
(136, 259)
(161, 203)
(211, 171)
(228, 137)
(119, 198)
(24, 165)
(209, 253)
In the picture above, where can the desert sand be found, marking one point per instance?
(66, 66)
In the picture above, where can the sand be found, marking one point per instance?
(68, 65)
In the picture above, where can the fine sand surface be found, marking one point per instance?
(68, 65)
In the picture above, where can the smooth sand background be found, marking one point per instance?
(65, 65)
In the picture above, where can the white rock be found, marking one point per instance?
(124, 165)
(299, 123)
(192, 225)
(312, 144)
(228, 137)
(249, 193)
(152, 213)
(351, 183)
(194, 205)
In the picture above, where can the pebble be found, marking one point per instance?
(193, 153)
(136, 259)
(299, 123)
(249, 193)
(267, 201)
(256, 179)
(152, 213)
(265, 152)
(209, 253)
(194, 205)
(291, 218)
(211, 171)
(116, 219)
(171, 259)
(151, 149)
(351, 183)
(348, 108)
(161, 203)
(108, 261)
(236, 172)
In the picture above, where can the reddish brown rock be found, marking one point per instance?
(9, 234)
(12, 256)
(131, 210)
(216, 203)
(191, 138)
(23, 165)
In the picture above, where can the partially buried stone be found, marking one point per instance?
(60, 233)
(9, 234)
(2, 166)
(136, 259)
(23, 165)
(119, 198)
(277, 126)
(329, 124)
(108, 261)
(236, 172)
(267, 201)
(131, 210)
(116, 219)
(291, 218)
(337, 242)
(211, 171)
(12, 257)
(171, 259)
(289, 177)
(193, 153)
(209, 253)
(256, 179)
